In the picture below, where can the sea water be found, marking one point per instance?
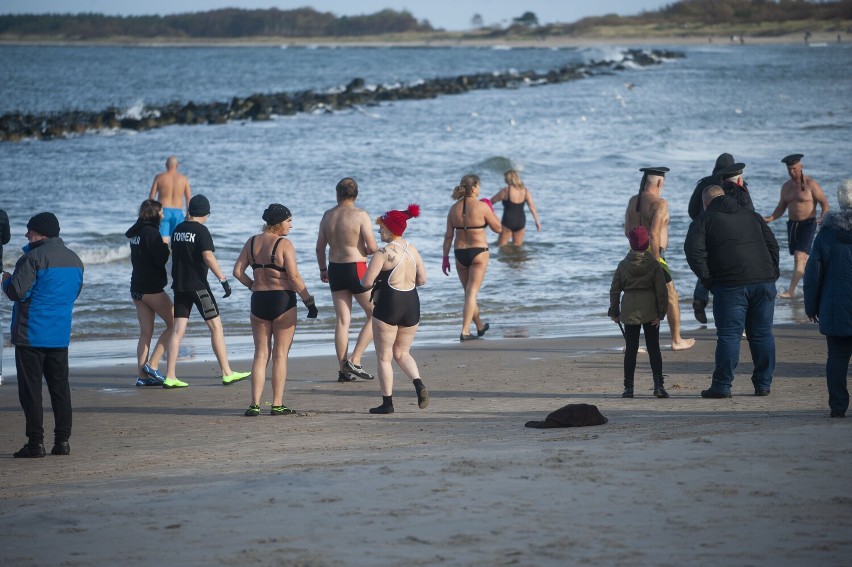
(578, 146)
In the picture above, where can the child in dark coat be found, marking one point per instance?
(640, 277)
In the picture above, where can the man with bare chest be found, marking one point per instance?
(649, 209)
(172, 190)
(799, 196)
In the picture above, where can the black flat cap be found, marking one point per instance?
(792, 159)
(732, 170)
(661, 171)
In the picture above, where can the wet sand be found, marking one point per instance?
(181, 477)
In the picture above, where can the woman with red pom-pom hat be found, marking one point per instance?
(396, 270)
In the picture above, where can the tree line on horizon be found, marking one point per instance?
(307, 22)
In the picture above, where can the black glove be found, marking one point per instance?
(227, 287)
(312, 307)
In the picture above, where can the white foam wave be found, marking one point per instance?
(92, 255)
(611, 54)
(138, 112)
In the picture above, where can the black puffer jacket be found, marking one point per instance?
(729, 245)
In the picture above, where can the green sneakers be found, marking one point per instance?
(281, 410)
(174, 383)
(235, 377)
(253, 411)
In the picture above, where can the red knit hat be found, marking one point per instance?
(638, 238)
(397, 221)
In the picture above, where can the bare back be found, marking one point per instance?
(653, 214)
(171, 189)
(469, 218)
(347, 231)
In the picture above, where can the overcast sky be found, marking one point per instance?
(447, 14)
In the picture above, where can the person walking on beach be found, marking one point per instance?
(5, 236)
(828, 295)
(192, 258)
(640, 277)
(172, 190)
(148, 256)
(700, 295)
(799, 196)
(735, 255)
(347, 232)
(466, 223)
(272, 259)
(649, 209)
(514, 196)
(46, 282)
(396, 270)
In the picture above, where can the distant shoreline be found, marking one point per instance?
(444, 40)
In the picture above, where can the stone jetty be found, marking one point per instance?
(16, 126)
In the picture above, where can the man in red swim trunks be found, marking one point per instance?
(348, 234)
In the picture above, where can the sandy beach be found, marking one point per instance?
(181, 477)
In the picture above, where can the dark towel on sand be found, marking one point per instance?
(572, 415)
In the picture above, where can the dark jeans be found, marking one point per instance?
(652, 343)
(750, 308)
(701, 293)
(52, 363)
(836, 369)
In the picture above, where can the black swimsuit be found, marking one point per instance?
(400, 307)
(514, 217)
(465, 256)
(270, 304)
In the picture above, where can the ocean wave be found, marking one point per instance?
(92, 255)
(138, 112)
(496, 164)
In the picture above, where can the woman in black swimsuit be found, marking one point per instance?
(273, 298)
(396, 270)
(466, 223)
(514, 197)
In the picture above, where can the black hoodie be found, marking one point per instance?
(148, 254)
(731, 246)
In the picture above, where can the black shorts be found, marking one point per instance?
(271, 304)
(202, 299)
(800, 235)
(347, 277)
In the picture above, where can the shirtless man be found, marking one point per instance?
(799, 195)
(650, 210)
(348, 233)
(172, 190)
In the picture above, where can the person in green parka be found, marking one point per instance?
(640, 277)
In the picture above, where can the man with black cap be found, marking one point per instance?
(799, 195)
(735, 255)
(5, 235)
(46, 282)
(649, 209)
(192, 258)
(701, 296)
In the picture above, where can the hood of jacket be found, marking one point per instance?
(724, 204)
(639, 263)
(139, 226)
(840, 222)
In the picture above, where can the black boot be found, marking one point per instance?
(659, 390)
(628, 388)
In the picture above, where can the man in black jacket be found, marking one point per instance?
(735, 255)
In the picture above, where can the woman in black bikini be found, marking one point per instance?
(396, 270)
(514, 197)
(466, 223)
(273, 300)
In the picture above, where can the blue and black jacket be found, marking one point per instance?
(46, 282)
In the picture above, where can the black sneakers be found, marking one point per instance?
(713, 394)
(61, 448)
(30, 452)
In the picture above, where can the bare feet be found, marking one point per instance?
(786, 294)
(683, 344)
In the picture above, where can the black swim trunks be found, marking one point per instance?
(271, 304)
(347, 277)
(800, 235)
(465, 256)
(203, 301)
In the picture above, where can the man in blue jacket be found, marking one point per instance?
(46, 282)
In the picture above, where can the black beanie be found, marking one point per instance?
(46, 224)
(199, 206)
(276, 213)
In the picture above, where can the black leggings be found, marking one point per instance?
(652, 343)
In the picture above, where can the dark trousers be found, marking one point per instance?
(52, 363)
(836, 369)
(652, 344)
